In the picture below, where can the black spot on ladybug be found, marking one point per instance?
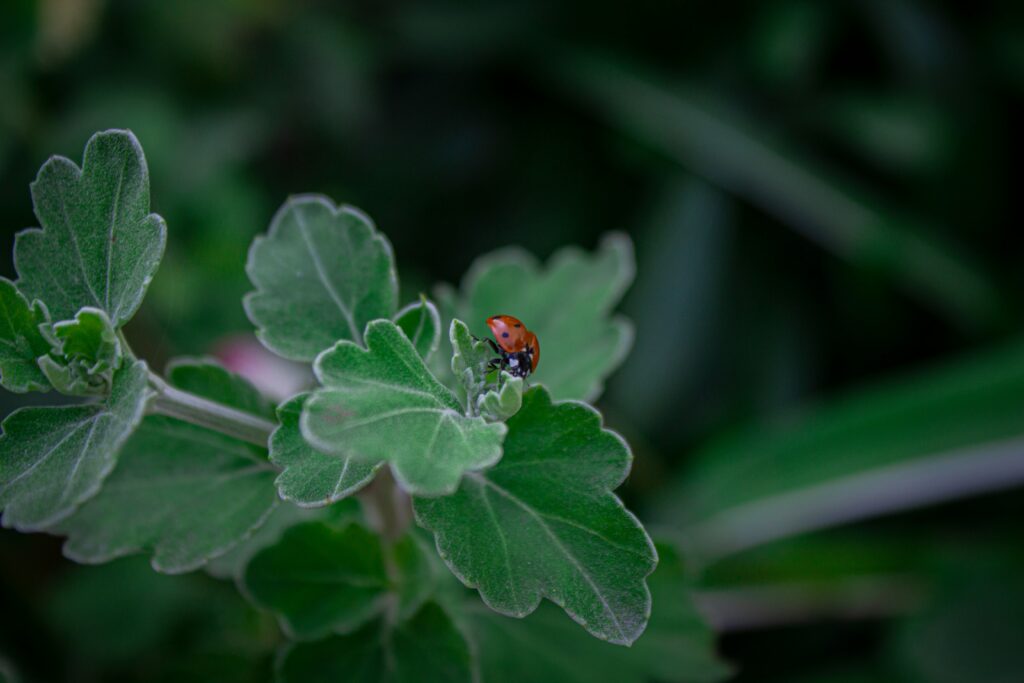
(518, 325)
(504, 334)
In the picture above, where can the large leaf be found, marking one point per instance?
(321, 273)
(941, 435)
(310, 478)
(320, 579)
(544, 523)
(232, 564)
(181, 492)
(567, 303)
(21, 342)
(53, 459)
(99, 246)
(677, 647)
(382, 403)
(427, 648)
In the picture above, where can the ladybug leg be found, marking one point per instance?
(490, 341)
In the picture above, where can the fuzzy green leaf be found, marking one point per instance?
(469, 363)
(677, 647)
(21, 342)
(53, 459)
(504, 401)
(181, 492)
(99, 245)
(231, 565)
(567, 303)
(310, 478)
(86, 352)
(422, 325)
(371, 395)
(321, 273)
(320, 579)
(424, 649)
(544, 523)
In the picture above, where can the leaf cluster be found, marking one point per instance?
(513, 479)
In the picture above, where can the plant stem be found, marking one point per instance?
(199, 411)
(387, 506)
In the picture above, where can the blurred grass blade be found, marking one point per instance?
(941, 436)
(971, 471)
(716, 142)
(685, 252)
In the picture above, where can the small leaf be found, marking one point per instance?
(504, 402)
(181, 492)
(310, 478)
(469, 363)
(422, 325)
(53, 459)
(86, 352)
(424, 649)
(383, 404)
(568, 305)
(99, 245)
(321, 273)
(544, 523)
(677, 647)
(21, 342)
(320, 579)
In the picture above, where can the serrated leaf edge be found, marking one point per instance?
(542, 594)
(136, 148)
(90, 492)
(272, 232)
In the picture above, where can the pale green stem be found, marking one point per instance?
(203, 412)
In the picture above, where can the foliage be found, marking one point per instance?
(188, 468)
(821, 396)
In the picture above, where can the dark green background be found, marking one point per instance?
(823, 196)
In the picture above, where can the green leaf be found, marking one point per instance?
(320, 579)
(86, 352)
(567, 303)
(383, 404)
(677, 647)
(99, 246)
(53, 459)
(544, 523)
(422, 325)
(424, 649)
(469, 363)
(310, 478)
(504, 402)
(21, 342)
(951, 432)
(321, 273)
(232, 564)
(181, 492)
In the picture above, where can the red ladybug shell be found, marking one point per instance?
(513, 337)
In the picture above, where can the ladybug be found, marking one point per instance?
(517, 347)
